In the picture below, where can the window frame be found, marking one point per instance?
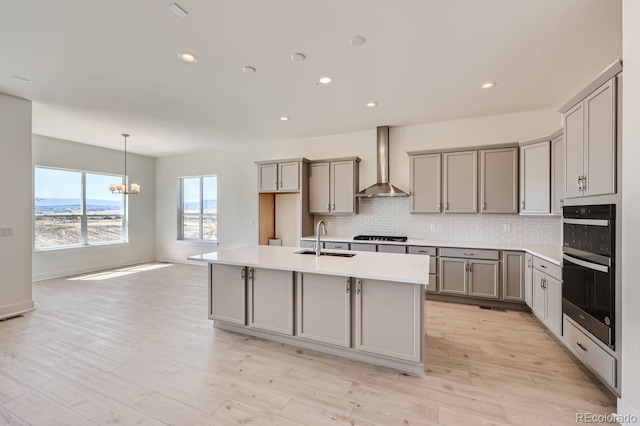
(200, 214)
(84, 239)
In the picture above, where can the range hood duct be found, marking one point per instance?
(382, 187)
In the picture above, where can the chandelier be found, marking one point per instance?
(119, 188)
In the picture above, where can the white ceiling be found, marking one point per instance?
(101, 68)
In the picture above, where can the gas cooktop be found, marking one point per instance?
(380, 238)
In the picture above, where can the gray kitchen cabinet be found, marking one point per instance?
(227, 293)
(309, 244)
(453, 276)
(553, 318)
(426, 183)
(316, 296)
(333, 186)
(362, 247)
(499, 180)
(557, 174)
(590, 143)
(513, 275)
(470, 272)
(385, 305)
(433, 265)
(279, 176)
(270, 300)
(391, 248)
(547, 296)
(460, 184)
(484, 278)
(332, 245)
(528, 279)
(535, 178)
(538, 301)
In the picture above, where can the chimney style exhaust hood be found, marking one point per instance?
(382, 187)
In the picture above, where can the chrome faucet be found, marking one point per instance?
(324, 232)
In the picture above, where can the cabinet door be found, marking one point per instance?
(460, 182)
(271, 300)
(433, 284)
(388, 318)
(426, 179)
(557, 174)
(535, 179)
(343, 187)
(538, 301)
(574, 150)
(289, 174)
(513, 275)
(324, 308)
(553, 313)
(453, 275)
(600, 141)
(319, 188)
(268, 177)
(484, 278)
(528, 280)
(227, 293)
(499, 180)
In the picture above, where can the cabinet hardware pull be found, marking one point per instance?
(446, 206)
(469, 254)
(484, 205)
(251, 273)
(358, 286)
(243, 273)
(280, 184)
(543, 266)
(439, 207)
(584, 182)
(348, 285)
(580, 183)
(521, 205)
(328, 207)
(275, 184)
(528, 263)
(333, 207)
(581, 347)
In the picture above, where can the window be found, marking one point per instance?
(74, 208)
(199, 208)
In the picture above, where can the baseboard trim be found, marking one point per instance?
(16, 309)
(628, 415)
(88, 268)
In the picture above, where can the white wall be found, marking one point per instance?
(237, 181)
(16, 205)
(141, 246)
(630, 401)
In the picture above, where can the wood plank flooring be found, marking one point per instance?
(134, 346)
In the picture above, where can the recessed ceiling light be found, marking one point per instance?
(325, 80)
(24, 80)
(248, 69)
(298, 57)
(283, 118)
(372, 104)
(175, 8)
(357, 41)
(188, 57)
(489, 85)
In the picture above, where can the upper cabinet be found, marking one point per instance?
(460, 184)
(535, 178)
(499, 180)
(557, 174)
(426, 183)
(333, 185)
(279, 176)
(590, 125)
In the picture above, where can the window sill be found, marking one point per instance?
(199, 242)
(80, 246)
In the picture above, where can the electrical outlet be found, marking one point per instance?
(506, 227)
(433, 226)
(6, 231)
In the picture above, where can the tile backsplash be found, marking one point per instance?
(390, 216)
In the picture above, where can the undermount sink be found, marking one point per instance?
(324, 253)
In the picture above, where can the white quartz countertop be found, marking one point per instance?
(404, 268)
(552, 254)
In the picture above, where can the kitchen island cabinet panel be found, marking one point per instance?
(387, 318)
(324, 308)
(270, 300)
(227, 293)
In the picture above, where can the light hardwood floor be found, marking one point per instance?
(134, 346)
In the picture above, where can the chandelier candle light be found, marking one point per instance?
(119, 188)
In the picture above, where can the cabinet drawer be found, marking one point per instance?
(308, 244)
(595, 357)
(431, 251)
(548, 268)
(470, 253)
(388, 248)
(363, 247)
(336, 246)
(433, 282)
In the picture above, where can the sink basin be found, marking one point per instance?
(324, 253)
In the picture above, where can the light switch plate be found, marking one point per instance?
(506, 227)
(6, 231)
(433, 226)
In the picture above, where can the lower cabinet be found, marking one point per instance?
(323, 308)
(270, 300)
(227, 293)
(528, 279)
(547, 301)
(513, 275)
(472, 277)
(387, 319)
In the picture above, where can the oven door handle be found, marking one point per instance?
(588, 265)
(590, 222)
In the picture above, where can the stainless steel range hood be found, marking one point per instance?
(382, 188)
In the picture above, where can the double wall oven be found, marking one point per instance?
(588, 288)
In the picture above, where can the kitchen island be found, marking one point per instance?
(367, 307)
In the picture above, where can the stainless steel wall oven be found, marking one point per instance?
(588, 282)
